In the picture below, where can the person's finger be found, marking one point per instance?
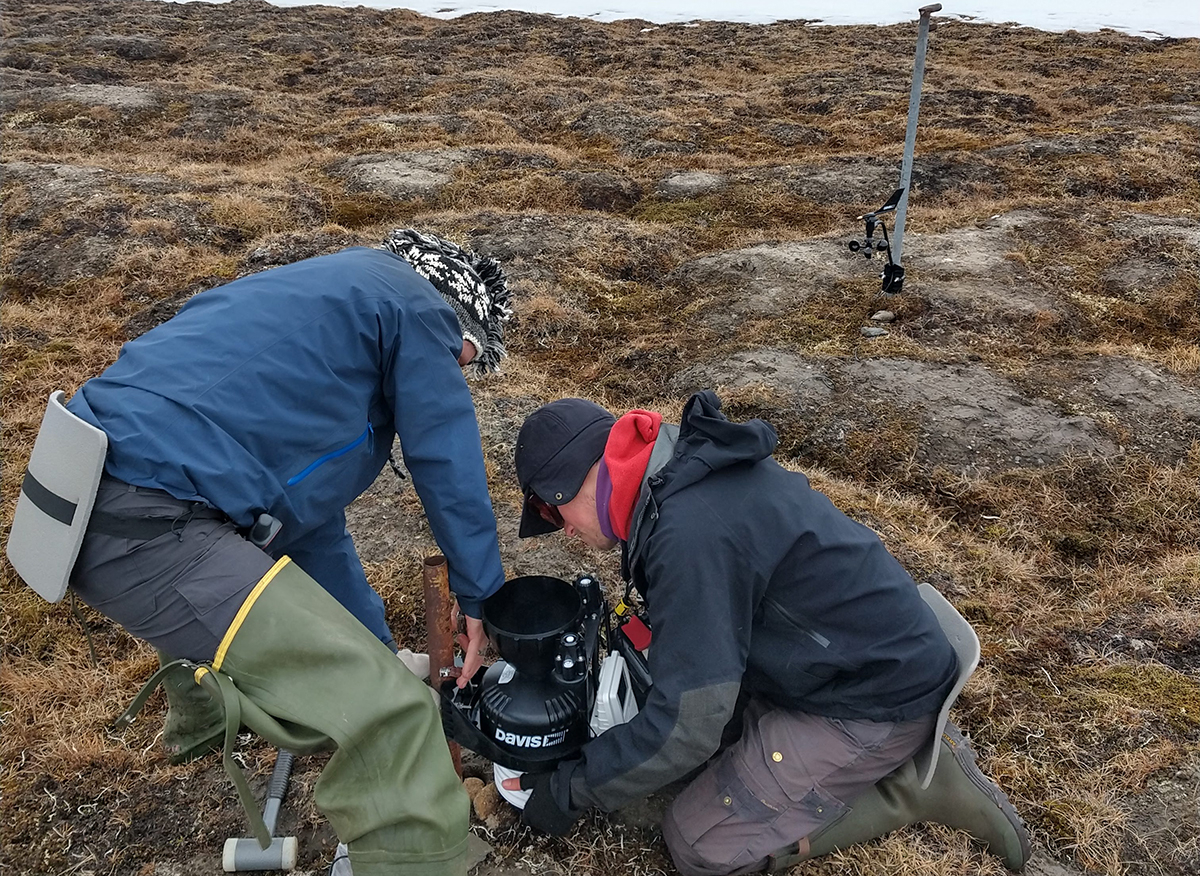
(511, 784)
(473, 650)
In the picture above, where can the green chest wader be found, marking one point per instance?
(303, 673)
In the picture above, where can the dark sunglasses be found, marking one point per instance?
(548, 512)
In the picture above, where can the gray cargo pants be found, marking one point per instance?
(180, 591)
(789, 775)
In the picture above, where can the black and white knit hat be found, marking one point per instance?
(474, 285)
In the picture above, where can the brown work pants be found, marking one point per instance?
(789, 775)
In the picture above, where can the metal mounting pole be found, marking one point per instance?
(440, 638)
(910, 136)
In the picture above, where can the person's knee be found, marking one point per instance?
(692, 858)
(687, 860)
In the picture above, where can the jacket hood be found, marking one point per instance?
(704, 442)
(709, 442)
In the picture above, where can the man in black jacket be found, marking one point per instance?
(767, 604)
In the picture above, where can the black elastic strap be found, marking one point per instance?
(47, 501)
(148, 528)
(459, 728)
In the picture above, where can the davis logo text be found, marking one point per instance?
(530, 741)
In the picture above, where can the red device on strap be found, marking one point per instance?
(637, 632)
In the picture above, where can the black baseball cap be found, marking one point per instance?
(556, 447)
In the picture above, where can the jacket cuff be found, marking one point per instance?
(561, 781)
(470, 607)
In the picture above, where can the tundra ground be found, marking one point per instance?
(672, 206)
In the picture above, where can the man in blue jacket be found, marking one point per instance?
(774, 615)
(279, 394)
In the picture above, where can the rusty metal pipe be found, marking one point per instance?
(438, 634)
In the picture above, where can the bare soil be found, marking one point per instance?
(672, 205)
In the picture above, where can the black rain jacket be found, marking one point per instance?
(754, 581)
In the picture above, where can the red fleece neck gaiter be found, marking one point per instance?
(627, 454)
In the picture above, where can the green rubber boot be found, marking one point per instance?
(306, 675)
(960, 796)
(195, 723)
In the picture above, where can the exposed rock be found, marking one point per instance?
(486, 801)
(691, 184)
(451, 124)
(549, 248)
(211, 114)
(403, 175)
(1138, 277)
(973, 418)
(478, 850)
(1167, 231)
(1155, 411)
(969, 417)
(764, 279)
(797, 135)
(283, 249)
(134, 48)
(971, 267)
(126, 97)
(473, 786)
(861, 180)
(628, 126)
(795, 375)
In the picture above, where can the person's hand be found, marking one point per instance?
(542, 810)
(473, 642)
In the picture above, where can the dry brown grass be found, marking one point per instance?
(1060, 568)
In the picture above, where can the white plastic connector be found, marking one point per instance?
(282, 854)
(614, 695)
(291, 852)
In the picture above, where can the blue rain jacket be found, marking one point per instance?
(282, 391)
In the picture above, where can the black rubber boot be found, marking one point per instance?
(195, 723)
(960, 796)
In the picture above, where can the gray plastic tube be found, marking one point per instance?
(283, 852)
